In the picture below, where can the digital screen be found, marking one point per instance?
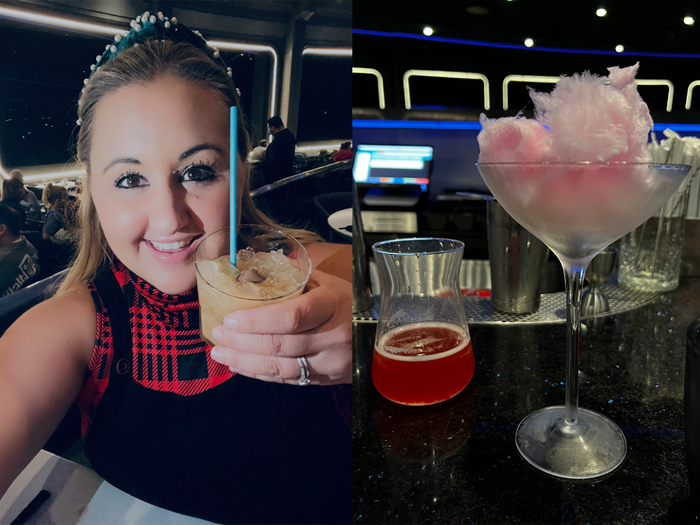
(393, 165)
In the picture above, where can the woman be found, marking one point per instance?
(55, 199)
(164, 416)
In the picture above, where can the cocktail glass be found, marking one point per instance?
(577, 209)
(219, 294)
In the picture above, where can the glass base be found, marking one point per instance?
(592, 447)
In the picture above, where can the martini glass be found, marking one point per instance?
(577, 209)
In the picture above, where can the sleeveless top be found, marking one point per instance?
(165, 423)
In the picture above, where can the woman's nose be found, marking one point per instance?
(168, 210)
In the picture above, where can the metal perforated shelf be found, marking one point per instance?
(552, 307)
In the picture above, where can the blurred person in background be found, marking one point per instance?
(55, 199)
(71, 222)
(258, 152)
(279, 156)
(344, 153)
(30, 202)
(13, 191)
(19, 260)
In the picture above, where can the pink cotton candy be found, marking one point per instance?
(513, 139)
(586, 118)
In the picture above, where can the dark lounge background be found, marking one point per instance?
(571, 27)
(42, 69)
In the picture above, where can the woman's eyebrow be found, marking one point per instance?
(199, 148)
(183, 156)
(123, 160)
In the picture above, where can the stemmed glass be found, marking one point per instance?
(577, 209)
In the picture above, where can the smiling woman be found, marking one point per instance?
(160, 408)
(167, 188)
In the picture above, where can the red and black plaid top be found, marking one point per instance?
(168, 353)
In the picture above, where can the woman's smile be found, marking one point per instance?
(173, 252)
(173, 245)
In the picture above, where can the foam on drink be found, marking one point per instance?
(423, 341)
(586, 118)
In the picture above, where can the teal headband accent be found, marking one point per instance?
(156, 27)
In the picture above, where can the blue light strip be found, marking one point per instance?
(415, 124)
(521, 46)
(448, 124)
(677, 127)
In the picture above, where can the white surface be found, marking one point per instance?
(79, 496)
(110, 505)
(341, 219)
(71, 487)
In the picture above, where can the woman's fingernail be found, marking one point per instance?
(217, 354)
(231, 323)
(216, 333)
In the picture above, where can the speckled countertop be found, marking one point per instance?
(456, 462)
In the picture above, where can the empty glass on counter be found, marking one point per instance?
(650, 255)
(422, 351)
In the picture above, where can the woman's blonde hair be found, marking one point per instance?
(142, 65)
(54, 197)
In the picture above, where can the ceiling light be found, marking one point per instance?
(619, 48)
(601, 12)
(689, 20)
(529, 42)
(427, 30)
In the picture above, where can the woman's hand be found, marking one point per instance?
(263, 343)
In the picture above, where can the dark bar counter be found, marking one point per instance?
(456, 462)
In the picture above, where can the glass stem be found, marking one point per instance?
(573, 280)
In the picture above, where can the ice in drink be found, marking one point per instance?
(423, 363)
(222, 290)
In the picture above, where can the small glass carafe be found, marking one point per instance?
(422, 352)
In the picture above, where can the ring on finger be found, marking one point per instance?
(303, 371)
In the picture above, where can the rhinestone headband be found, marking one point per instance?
(154, 27)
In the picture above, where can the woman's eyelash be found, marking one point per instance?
(199, 172)
(129, 178)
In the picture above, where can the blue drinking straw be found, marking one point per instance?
(232, 183)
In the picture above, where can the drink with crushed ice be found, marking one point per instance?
(423, 363)
(220, 291)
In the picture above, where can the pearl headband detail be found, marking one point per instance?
(157, 27)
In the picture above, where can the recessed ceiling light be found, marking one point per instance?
(689, 20)
(601, 12)
(427, 30)
(529, 42)
(619, 48)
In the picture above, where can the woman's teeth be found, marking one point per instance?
(171, 245)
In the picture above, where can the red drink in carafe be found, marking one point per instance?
(423, 363)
